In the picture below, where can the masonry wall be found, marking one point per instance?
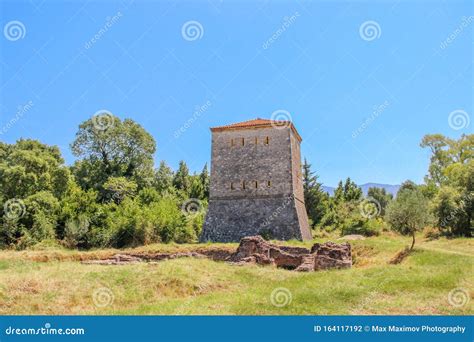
(255, 161)
(253, 190)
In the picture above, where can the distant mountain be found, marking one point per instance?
(392, 189)
(329, 189)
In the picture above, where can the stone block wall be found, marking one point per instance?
(255, 186)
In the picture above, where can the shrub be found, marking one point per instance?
(372, 227)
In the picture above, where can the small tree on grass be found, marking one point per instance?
(409, 213)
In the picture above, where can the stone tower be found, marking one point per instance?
(256, 183)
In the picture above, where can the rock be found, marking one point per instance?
(307, 265)
(332, 255)
(254, 249)
(324, 262)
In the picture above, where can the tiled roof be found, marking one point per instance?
(257, 123)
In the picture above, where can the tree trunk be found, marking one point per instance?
(413, 242)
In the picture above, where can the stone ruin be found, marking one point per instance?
(254, 250)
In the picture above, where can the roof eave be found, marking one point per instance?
(265, 125)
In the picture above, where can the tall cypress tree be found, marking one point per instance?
(314, 196)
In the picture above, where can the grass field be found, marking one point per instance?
(53, 281)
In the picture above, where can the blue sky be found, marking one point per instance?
(362, 81)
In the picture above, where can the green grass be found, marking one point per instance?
(58, 284)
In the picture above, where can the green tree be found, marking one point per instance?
(182, 180)
(349, 192)
(29, 166)
(381, 196)
(80, 215)
(33, 178)
(407, 185)
(113, 148)
(452, 170)
(205, 181)
(314, 196)
(409, 213)
(197, 188)
(118, 188)
(445, 152)
(163, 178)
(440, 155)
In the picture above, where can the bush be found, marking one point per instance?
(372, 227)
(35, 220)
(432, 233)
(131, 223)
(75, 232)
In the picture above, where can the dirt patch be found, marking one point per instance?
(352, 237)
(133, 258)
(400, 256)
(361, 255)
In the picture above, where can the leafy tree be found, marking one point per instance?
(452, 170)
(163, 178)
(79, 215)
(407, 185)
(120, 149)
(32, 180)
(439, 146)
(197, 188)
(408, 213)
(41, 207)
(148, 196)
(117, 188)
(454, 206)
(205, 181)
(381, 196)
(33, 222)
(349, 192)
(314, 196)
(182, 180)
(28, 167)
(445, 152)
